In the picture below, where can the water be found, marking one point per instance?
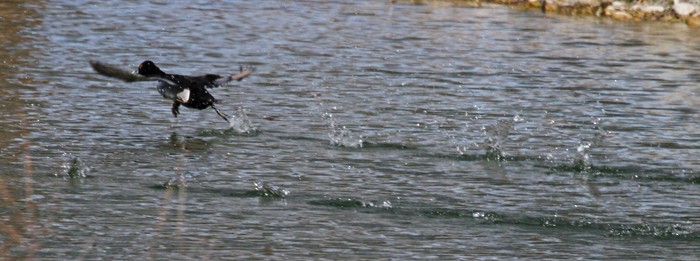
(370, 130)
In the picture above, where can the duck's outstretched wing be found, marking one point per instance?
(111, 71)
(114, 72)
(234, 77)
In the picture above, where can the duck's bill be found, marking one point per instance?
(111, 71)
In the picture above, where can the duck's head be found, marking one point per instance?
(149, 68)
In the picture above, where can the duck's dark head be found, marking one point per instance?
(149, 68)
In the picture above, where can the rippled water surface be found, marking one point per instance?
(370, 130)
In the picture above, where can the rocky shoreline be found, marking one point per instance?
(685, 11)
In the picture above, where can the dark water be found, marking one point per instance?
(370, 130)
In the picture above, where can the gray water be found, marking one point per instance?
(370, 130)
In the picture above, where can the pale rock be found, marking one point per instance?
(621, 15)
(618, 5)
(615, 7)
(649, 8)
(683, 9)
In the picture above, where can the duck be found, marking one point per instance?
(182, 90)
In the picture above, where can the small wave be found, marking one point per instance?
(486, 216)
(674, 232)
(645, 230)
(260, 190)
(488, 157)
(629, 172)
(387, 145)
(350, 203)
(590, 169)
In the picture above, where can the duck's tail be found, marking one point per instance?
(221, 114)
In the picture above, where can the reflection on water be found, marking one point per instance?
(20, 227)
(575, 137)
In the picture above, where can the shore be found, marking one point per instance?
(683, 11)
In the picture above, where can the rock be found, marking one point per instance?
(693, 21)
(683, 10)
(618, 4)
(582, 2)
(648, 12)
(621, 15)
(649, 8)
(614, 8)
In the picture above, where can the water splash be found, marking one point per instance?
(266, 189)
(73, 167)
(496, 135)
(352, 203)
(582, 159)
(341, 136)
(178, 181)
(240, 123)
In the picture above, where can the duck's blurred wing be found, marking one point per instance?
(111, 71)
(235, 77)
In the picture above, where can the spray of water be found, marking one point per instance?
(73, 167)
(496, 135)
(240, 123)
(341, 136)
(178, 181)
(582, 159)
(267, 189)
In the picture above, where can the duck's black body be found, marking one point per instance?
(188, 91)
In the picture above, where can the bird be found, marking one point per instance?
(188, 91)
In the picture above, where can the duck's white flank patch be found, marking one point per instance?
(184, 95)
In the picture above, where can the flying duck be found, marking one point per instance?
(188, 91)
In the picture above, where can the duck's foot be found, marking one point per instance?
(221, 114)
(176, 109)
